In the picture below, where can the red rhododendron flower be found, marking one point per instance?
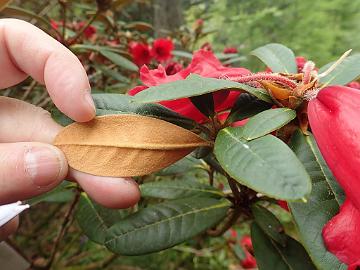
(334, 120)
(341, 234)
(141, 53)
(162, 48)
(89, 31)
(173, 68)
(249, 261)
(230, 50)
(203, 63)
(54, 24)
(355, 85)
(283, 205)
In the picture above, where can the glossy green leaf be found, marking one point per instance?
(94, 220)
(267, 121)
(269, 224)
(61, 194)
(182, 166)
(246, 106)
(277, 57)
(345, 72)
(119, 60)
(17, 12)
(113, 74)
(225, 56)
(164, 225)
(272, 256)
(234, 60)
(182, 54)
(266, 164)
(124, 104)
(195, 85)
(176, 189)
(323, 202)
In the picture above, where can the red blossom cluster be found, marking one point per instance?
(249, 261)
(340, 234)
(143, 53)
(88, 33)
(203, 63)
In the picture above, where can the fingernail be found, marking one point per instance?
(43, 165)
(90, 101)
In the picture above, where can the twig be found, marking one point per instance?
(211, 176)
(229, 222)
(29, 89)
(63, 230)
(64, 8)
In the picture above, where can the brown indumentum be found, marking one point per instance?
(125, 145)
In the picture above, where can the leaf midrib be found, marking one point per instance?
(222, 205)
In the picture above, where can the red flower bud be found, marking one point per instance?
(334, 118)
(162, 49)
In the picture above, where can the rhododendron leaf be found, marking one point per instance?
(323, 202)
(272, 256)
(182, 54)
(225, 56)
(22, 13)
(269, 224)
(125, 145)
(164, 225)
(94, 219)
(182, 166)
(62, 193)
(204, 103)
(266, 122)
(124, 104)
(277, 57)
(119, 60)
(113, 74)
(176, 189)
(347, 71)
(4, 3)
(246, 106)
(195, 85)
(266, 164)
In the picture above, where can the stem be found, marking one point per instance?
(63, 230)
(81, 31)
(29, 89)
(211, 176)
(265, 77)
(235, 190)
(230, 220)
(64, 8)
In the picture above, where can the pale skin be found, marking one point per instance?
(29, 164)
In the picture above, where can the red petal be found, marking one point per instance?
(341, 234)
(334, 118)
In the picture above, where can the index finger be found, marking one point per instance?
(27, 50)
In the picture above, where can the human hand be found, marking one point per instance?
(29, 164)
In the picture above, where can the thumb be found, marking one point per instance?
(28, 169)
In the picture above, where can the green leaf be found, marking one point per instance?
(269, 224)
(234, 60)
(94, 220)
(176, 189)
(266, 122)
(195, 85)
(272, 256)
(182, 166)
(119, 60)
(246, 106)
(61, 194)
(225, 56)
(17, 12)
(124, 104)
(323, 202)
(345, 72)
(277, 57)
(113, 74)
(164, 225)
(182, 54)
(266, 165)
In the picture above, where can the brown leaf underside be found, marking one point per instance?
(125, 145)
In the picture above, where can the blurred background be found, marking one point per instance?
(113, 39)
